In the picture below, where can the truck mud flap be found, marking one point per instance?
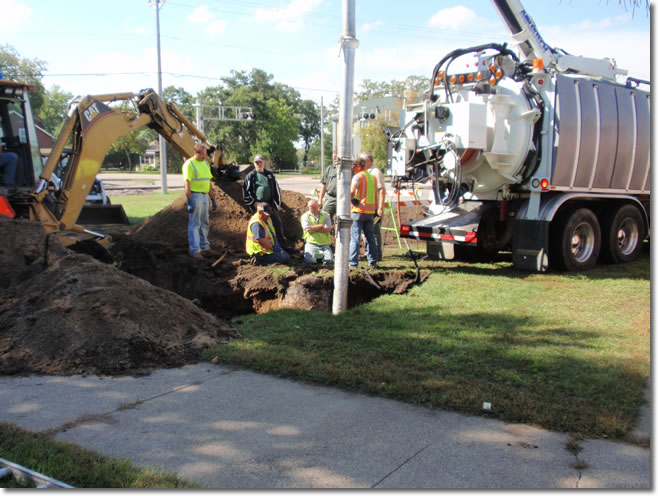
(102, 214)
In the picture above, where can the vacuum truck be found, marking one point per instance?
(529, 149)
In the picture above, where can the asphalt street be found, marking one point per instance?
(225, 428)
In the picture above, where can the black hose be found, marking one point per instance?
(502, 49)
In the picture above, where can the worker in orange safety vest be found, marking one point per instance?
(364, 205)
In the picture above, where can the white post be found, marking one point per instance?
(349, 44)
(322, 135)
(163, 143)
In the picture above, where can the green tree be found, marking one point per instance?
(373, 140)
(276, 136)
(126, 150)
(314, 149)
(241, 139)
(16, 68)
(184, 101)
(376, 89)
(309, 128)
(54, 108)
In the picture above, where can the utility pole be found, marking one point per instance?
(163, 143)
(349, 43)
(322, 135)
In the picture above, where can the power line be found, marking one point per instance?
(173, 74)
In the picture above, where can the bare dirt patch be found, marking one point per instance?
(142, 302)
(65, 313)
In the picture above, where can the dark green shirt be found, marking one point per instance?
(329, 179)
(263, 192)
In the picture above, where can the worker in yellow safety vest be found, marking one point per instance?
(262, 244)
(316, 225)
(197, 176)
(364, 205)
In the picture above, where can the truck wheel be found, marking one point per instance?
(488, 236)
(575, 241)
(623, 233)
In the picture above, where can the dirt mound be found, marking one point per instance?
(228, 224)
(64, 313)
(142, 302)
(24, 250)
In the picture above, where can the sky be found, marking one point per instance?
(95, 47)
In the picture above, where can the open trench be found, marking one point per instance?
(225, 284)
(138, 301)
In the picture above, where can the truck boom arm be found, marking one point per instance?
(93, 126)
(524, 31)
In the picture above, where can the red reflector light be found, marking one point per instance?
(544, 184)
(404, 229)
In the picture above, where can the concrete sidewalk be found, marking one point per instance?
(226, 428)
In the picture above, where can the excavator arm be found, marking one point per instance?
(93, 126)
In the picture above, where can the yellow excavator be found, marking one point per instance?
(87, 134)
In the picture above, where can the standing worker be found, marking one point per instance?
(316, 225)
(197, 176)
(328, 188)
(364, 205)
(260, 185)
(262, 243)
(365, 159)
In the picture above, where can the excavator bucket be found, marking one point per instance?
(102, 214)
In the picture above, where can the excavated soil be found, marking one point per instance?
(140, 302)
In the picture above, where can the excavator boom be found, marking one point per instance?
(92, 127)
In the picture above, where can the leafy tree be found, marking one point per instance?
(54, 109)
(314, 150)
(241, 139)
(16, 68)
(184, 101)
(276, 136)
(126, 150)
(377, 89)
(373, 140)
(309, 125)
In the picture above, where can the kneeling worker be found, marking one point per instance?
(262, 243)
(316, 224)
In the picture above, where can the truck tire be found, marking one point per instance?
(575, 241)
(622, 229)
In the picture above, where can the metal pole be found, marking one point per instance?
(349, 44)
(163, 143)
(322, 135)
(199, 119)
(334, 133)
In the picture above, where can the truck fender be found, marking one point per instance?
(549, 205)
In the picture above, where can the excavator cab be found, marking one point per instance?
(18, 136)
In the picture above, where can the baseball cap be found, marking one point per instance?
(259, 158)
(263, 207)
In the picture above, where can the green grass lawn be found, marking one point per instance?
(140, 207)
(568, 352)
(76, 466)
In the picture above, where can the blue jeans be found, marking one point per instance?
(8, 162)
(277, 257)
(362, 222)
(309, 253)
(197, 224)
